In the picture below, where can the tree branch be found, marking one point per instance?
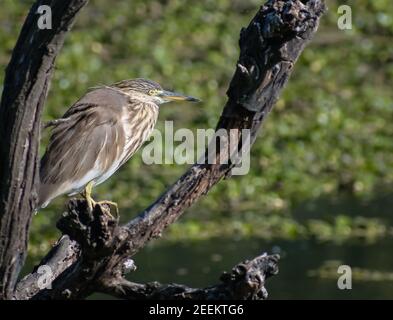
(25, 88)
(269, 47)
(245, 281)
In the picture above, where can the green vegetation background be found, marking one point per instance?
(322, 167)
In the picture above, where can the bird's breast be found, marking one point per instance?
(137, 126)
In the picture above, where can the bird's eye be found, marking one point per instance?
(153, 92)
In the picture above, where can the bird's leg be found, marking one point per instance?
(86, 193)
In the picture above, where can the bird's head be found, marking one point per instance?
(150, 91)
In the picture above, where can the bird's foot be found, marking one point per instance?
(91, 203)
(110, 204)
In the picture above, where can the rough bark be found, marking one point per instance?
(81, 266)
(25, 88)
(94, 253)
(245, 282)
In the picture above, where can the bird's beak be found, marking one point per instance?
(174, 96)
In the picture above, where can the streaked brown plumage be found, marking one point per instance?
(98, 134)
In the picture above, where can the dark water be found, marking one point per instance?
(200, 264)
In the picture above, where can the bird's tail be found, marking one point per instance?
(45, 196)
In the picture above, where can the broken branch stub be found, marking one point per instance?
(269, 47)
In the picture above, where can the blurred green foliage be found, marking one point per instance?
(329, 137)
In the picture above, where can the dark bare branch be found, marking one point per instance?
(25, 88)
(245, 282)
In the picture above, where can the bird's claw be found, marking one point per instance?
(91, 204)
(110, 203)
(86, 194)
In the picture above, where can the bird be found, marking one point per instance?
(97, 135)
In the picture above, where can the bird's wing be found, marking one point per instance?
(91, 135)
